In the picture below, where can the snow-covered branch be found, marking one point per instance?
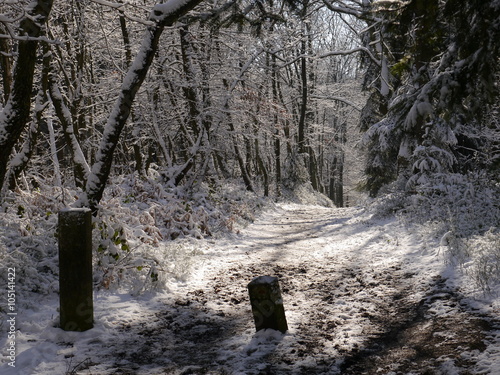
(121, 6)
(117, 6)
(8, 28)
(352, 51)
(213, 13)
(244, 69)
(16, 112)
(342, 9)
(334, 53)
(357, 12)
(166, 14)
(338, 99)
(25, 38)
(163, 15)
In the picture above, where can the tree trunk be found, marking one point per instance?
(262, 168)
(162, 15)
(136, 144)
(81, 169)
(277, 135)
(188, 88)
(19, 163)
(41, 102)
(6, 64)
(339, 188)
(239, 157)
(16, 113)
(336, 192)
(53, 153)
(230, 88)
(304, 99)
(313, 169)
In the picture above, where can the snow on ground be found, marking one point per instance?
(361, 296)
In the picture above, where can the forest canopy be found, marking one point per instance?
(270, 92)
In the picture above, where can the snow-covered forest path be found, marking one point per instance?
(361, 296)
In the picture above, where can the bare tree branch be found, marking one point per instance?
(338, 99)
(162, 15)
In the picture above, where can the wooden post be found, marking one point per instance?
(75, 270)
(267, 304)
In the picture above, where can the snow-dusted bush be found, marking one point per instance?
(462, 212)
(28, 243)
(297, 185)
(484, 263)
(295, 170)
(468, 204)
(144, 234)
(144, 229)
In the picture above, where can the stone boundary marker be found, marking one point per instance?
(267, 304)
(75, 270)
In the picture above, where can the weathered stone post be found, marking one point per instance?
(75, 270)
(267, 304)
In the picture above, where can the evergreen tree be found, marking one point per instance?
(443, 63)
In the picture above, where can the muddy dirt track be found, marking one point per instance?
(361, 297)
